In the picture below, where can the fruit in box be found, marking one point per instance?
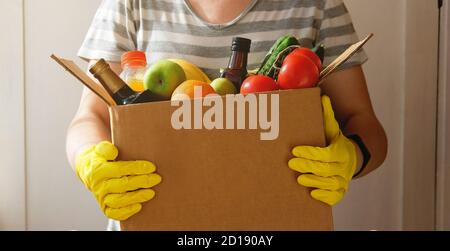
(298, 71)
(187, 90)
(223, 86)
(258, 83)
(308, 53)
(192, 71)
(163, 77)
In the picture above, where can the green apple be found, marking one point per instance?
(223, 86)
(163, 78)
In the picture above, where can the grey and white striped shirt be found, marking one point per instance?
(171, 29)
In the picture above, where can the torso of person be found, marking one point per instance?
(201, 31)
(219, 11)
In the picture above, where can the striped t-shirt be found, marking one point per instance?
(171, 29)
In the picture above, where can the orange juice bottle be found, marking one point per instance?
(134, 65)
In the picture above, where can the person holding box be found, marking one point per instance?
(200, 31)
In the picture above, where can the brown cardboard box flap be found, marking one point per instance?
(75, 71)
(224, 179)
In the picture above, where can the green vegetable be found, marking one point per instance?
(320, 51)
(267, 67)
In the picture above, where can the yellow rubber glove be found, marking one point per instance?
(329, 170)
(119, 187)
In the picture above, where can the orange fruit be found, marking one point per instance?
(187, 89)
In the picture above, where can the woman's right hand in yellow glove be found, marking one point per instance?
(120, 187)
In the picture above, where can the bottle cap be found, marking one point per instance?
(241, 44)
(134, 59)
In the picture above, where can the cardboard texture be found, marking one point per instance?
(224, 179)
(73, 69)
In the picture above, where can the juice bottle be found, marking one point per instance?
(134, 65)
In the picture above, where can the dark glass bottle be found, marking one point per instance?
(117, 88)
(236, 71)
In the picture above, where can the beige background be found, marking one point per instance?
(40, 192)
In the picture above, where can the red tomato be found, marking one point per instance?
(258, 83)
(310, 54)
(298, 72)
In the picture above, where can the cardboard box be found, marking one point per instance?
(221, 179)
(224, 179)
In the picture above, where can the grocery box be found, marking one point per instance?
(223, 159)
(224, 179)
(221, 179)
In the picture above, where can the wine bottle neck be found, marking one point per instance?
(107, 77)
(238, 60)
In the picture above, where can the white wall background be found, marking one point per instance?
(379, 194)
(12, 135)
(56, 200)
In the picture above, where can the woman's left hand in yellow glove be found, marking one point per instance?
(327, 170)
